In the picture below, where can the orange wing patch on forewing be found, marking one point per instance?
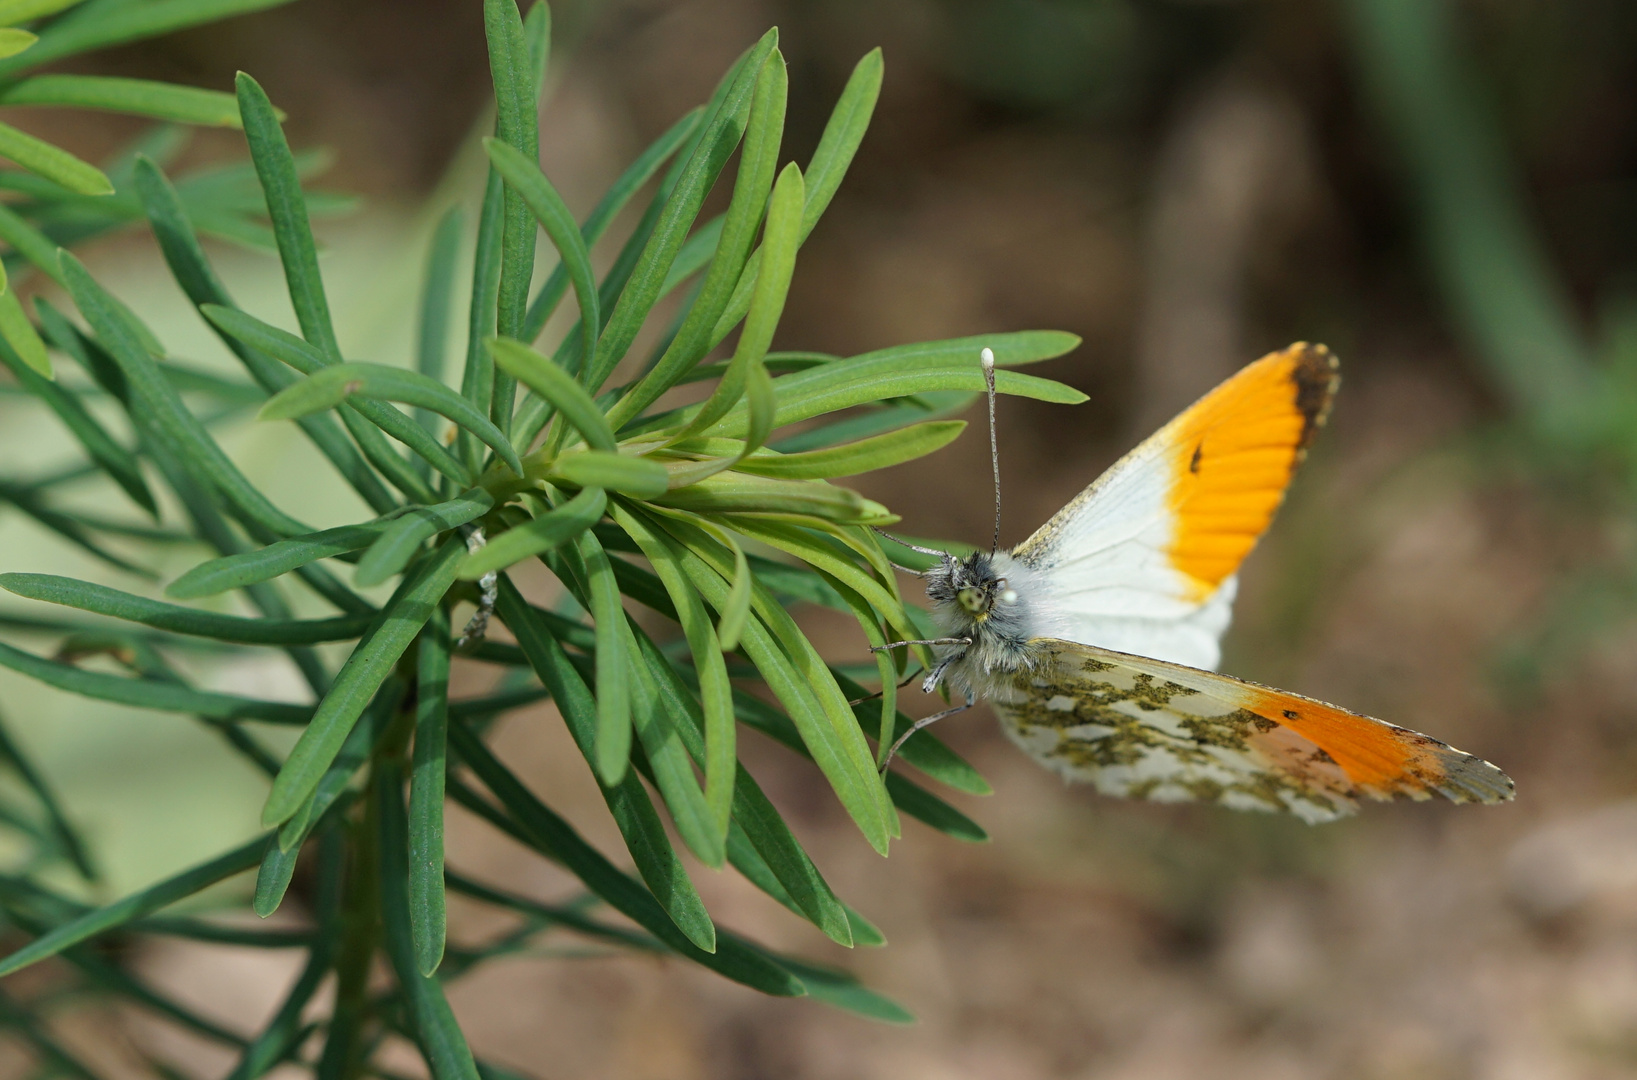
(1233, 453)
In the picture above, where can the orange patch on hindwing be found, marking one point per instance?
(1234, 452)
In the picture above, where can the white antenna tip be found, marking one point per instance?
(988, 358)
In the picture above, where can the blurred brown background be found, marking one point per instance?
(1187, 184)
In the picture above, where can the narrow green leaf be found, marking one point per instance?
(163, 410)
(135, 905)
(517, 124)
(757, 164)
(633, 812)
(263, 564)
(102, 600)
(554, 837)
(277, 868)
(715, 691)
(549, 530)
(426, 905)
(276, 169)
(638, 173)
(150, 694)
(865, 455)
(335, 384)
(193, 272)
(141, 97)
(29, 242)
(308, 360)
(14, 41)
(840, 990)
(557, 387)
(13, 12)
(908, 796)
(737, 609)
(921, 804)
(403, 537)
(477, 383)
(842, 135)
(639, 477)
(111, 457)
(720, 136)
(730, 492)
(53, 163)
(524, 177)
(361, 742)
(613, 745)
(370, 663)
(537, 36)
(437, 302)
(20, 334)
(780, 240)
(906, 370)
(61, 827)
(924, 750)
(98, 25)
(442, 1044)
(794, 677)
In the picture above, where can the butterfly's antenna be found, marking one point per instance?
(988, 358)
(900, 541)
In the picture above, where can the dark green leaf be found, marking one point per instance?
(555, 838)
(53, 163)
(276, 169)
(517, 123)
(757, 164)
(629, 804)
(96, 26)
(403, 537)
(135, 905)
(308, 360)
(426, 907)
(359, 678)
(442, 1044)
(250, 567)
(547, 531)
(720, 136)
(557, 387)
(143, 97)
(524, 177)
(149, 694)
(337, 383)
(180, 620)
(163, 409)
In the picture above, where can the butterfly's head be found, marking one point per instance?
(969, 590)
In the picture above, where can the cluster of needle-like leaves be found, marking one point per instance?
(718, 516)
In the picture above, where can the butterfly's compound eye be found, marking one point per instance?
(971, 600)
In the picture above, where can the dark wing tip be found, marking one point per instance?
(1317, 375)
(1472, 779)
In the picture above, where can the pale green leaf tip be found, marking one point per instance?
(14, 41)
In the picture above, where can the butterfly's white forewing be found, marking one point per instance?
(1143, 561)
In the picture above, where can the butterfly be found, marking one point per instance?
(1095, 640)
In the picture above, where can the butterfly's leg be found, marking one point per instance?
(929, 641)
(925, 721)
(871, 697)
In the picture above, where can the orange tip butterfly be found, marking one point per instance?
(1095, 639)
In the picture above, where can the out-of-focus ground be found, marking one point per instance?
(1196, 184)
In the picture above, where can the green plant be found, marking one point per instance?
(623, 496)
